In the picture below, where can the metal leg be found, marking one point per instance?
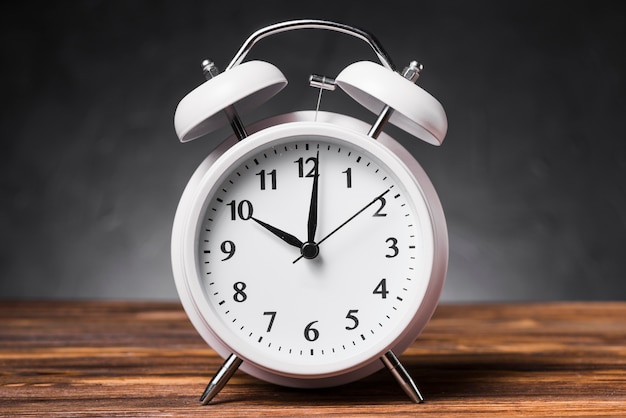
(380, 123)
(411, 73)
(220, 379)
(210, 70)
(399, 372)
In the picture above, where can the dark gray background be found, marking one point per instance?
(532, 174)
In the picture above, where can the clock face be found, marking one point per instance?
(308, 251)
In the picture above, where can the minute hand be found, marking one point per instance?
(312, 223)
(350, 218)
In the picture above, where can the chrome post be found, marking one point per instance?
(411, 73)
(220, 379)
(210, 70)
(398, 371)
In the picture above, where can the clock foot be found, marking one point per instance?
(220, 379)
(398, 371)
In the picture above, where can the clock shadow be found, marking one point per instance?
(378, 388)
(454, 377)
(440, 378)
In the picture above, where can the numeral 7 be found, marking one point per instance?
(272, 317)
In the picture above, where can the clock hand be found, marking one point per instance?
(310, 249)
(288, 238)
(348, 220)
(354, 216)
(312, 224)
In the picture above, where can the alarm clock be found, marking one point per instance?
(310, 249)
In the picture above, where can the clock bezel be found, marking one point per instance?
(184, 241)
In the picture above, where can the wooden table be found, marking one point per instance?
(145, 359)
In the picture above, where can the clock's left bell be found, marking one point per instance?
(243, 87)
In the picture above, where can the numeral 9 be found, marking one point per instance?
(228, 247)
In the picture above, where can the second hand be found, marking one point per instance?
(349, 219)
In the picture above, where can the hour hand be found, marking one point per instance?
(285, 236)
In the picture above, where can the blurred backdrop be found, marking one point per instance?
(532, 174)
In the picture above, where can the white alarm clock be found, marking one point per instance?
(310, 247)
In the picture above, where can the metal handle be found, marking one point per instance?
(311, 24)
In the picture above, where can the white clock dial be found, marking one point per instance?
(310, 251)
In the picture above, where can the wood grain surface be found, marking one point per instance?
(145, 359)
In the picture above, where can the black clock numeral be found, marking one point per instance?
(393, 246)
(348, 174)
(240, 295)
(353, 318)
(228, 247)
(379, 212)
(243, 210)
(272, 175)
(310, 333)
(301, 163)
(272, 317)
(381, 289)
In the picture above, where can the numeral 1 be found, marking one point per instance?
(348, 174)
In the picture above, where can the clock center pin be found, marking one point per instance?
(310, 250)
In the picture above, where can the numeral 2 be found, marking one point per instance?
(379, 212)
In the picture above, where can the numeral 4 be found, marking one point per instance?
(381, 289)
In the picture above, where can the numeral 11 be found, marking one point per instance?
(272, 176)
